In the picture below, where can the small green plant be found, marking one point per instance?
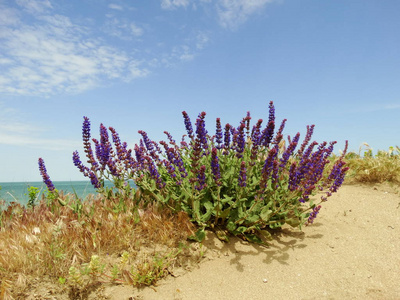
(33, 195)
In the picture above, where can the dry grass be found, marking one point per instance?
(107, 241)
(369, 168)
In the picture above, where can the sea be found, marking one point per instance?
(18, 191)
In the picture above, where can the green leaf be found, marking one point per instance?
(241, 229)
(231, 226)
(265, 214)
(199, 235)
(252, 219)
(225, 213)
(294, 222)
(209, 210)
(226, 199)
(208, 205)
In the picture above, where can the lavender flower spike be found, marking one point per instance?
(242, 174)
(188, 124)
(218, 134)
(215, 166)
(87, 145)
(313, 215)
(45, 176)
(289, 151)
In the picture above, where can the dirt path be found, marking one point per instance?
(352, 251)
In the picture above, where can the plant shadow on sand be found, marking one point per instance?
(284, 240)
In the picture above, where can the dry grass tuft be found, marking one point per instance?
(367, 168)
(113, 240)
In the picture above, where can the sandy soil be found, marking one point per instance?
(352, 251)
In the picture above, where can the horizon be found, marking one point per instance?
(137, 66)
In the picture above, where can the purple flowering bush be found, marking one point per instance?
(240, 180)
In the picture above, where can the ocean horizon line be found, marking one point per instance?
(38, 181)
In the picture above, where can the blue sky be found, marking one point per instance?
(136, 65)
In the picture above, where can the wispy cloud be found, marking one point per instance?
(54, 55)
(202, 40)
(122, 28)
(44, 53)
(39, 143)
(233, 13)
(373, 107)
(115, 6)
(35, 6)
(15, 132)
(392, 106)
(172, 4)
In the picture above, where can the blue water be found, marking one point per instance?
(18, 191)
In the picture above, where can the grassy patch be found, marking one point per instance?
(366, 167)
(75, 253)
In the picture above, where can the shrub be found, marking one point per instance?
(242, 180)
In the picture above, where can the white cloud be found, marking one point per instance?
(40, 143)
(115, 6)
(34, 6)
(232, 13)
(172, 4)
(201, 40)
(136, 30)
(15, 132)
(392, 106)
(53, 55)
(44, 53)
(122, 28)
(8, 16)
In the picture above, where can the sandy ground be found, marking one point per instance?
(352, 251)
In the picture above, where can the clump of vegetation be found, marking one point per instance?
(105, 242)
(366, 167)
(240, 181)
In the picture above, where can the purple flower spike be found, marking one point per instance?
(201, 132)
(255, 132)
(268, 168)
(86, 144)
(310, 130)
(85, 170)
(289, 151)
(247, 121)
(201, 178)
(147, 141)
(242, 174)
(45, 176)
(121, 148)
(218, 134)
(154, 172)
(215, 166)
(169, 136)
(313, 215)
(279, 134)
(227, 138)
(271, 116)
(240, 141)
(103, 148)
(188, 124)
(268, 132)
